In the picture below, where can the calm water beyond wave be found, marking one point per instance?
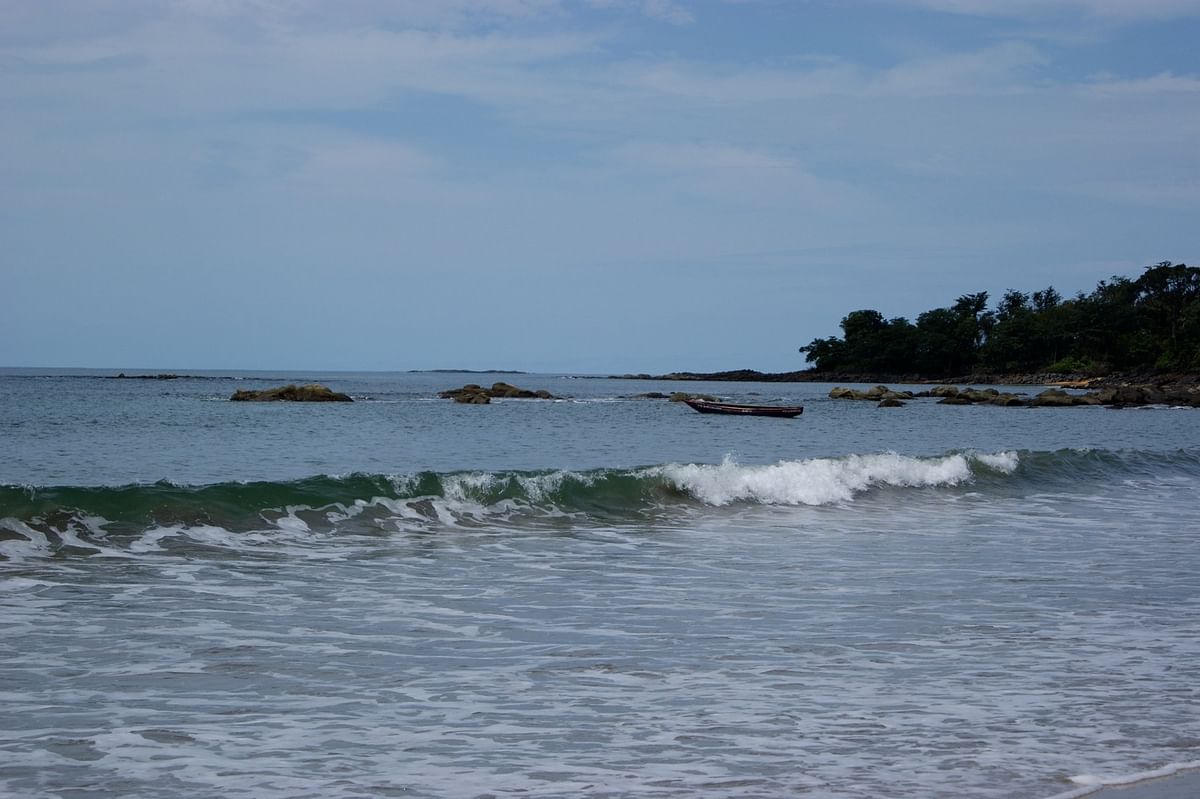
(600, 596)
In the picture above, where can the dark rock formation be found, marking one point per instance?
(876, 394)
(472, 394)
(683, 396)
(312, 392)
(1057, 398)
(1182, 394)
(949, 395)
(168, 376)
(889, 402)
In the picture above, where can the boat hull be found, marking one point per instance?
(732, 409)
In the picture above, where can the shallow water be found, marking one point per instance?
(602, 597)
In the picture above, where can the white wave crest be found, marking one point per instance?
(823, 481)
(1000, 461)
(1092, 783)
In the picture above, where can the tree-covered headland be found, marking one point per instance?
(1148, 324)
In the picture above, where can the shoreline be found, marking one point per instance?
(1063, 380)
(1171, 782)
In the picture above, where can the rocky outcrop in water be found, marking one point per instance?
(473, 394)
(1057, 398)
(313, 392)
(949, 395)
(876, 394)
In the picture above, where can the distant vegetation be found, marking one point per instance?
(1151, 323)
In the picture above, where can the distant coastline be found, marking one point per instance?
(466, 372)
(814, 376)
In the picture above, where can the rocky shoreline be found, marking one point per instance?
(1115, 390)
(1068, 379)
(1119, 396)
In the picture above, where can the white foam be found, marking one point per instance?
(33, 544)
(292, 523)
(1006, 462)
(822, 481)
(1091, 783)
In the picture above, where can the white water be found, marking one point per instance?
(929, 643)
(824, 481)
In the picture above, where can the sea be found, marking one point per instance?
(595, 596)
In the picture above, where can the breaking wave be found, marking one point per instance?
(85, 517)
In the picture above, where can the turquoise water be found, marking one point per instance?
(598, 596)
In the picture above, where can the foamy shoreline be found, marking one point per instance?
(1177, 781)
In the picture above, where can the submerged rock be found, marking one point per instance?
(313, 392)
(683, 396)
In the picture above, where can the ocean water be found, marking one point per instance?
(598, 596)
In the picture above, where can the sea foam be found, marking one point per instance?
(824, 481)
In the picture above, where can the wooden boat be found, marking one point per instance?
(781, 411)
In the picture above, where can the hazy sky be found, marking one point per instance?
(591, 186)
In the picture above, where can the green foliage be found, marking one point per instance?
(1071, 365)
(1149, 323)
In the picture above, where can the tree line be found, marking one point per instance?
(1151, 323)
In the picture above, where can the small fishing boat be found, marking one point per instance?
(781, 411)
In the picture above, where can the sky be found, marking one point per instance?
(583, 186)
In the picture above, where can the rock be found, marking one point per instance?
(473, 394)
(1057, 398)
(682, 396)
(872, 394)
(470, 394)
(312, 392)
(890, 402)
(1134, 394)
(979, 395)
(971, 396)
(506, 390)
(1008, 401)
(650, 395)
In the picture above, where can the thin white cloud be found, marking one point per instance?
(1001, 68)
(1034, 10)
(189, 69)
(1162, 83)
(663, 10)
(699, 157)
(736, 176)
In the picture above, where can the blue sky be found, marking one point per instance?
(591, 186)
